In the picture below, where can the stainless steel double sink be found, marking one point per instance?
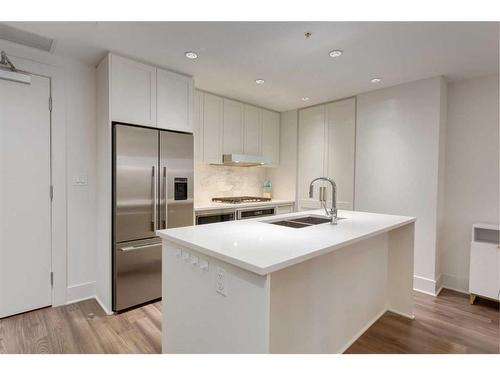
(302, 221)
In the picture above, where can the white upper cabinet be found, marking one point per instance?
(212, 118)
(271, 135)
(232, 139)
(225, 126)
(133, 92)
(174, 101)
(252, 130)
(341, 123)
(198, 126)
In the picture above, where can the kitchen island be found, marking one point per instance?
(252, 286)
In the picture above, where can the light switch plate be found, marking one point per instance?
(80, 180)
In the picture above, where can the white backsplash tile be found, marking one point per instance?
(221, 181)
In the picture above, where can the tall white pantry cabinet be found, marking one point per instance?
(326, 147)
(135, 93)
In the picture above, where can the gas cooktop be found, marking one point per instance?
(236, 200)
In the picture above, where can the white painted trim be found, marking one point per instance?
(109, 312)
(23, 60)
(363, 330)
(405, 315)
(80, 292)
(424, 285)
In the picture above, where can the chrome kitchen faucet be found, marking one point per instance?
(332, 214)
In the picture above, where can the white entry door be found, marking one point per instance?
(25, 230)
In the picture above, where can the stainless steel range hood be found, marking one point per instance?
(242, 160)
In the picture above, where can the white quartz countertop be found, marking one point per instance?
(220, 206)
(263, 248)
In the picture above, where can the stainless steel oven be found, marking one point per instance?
(253, 212)
(214, 217)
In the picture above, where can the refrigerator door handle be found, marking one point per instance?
(164, 219)
(131, 248)
(153, 196)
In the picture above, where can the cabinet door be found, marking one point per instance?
(133, 92)
(198, 126)
(271, 135)
(253, 130)
(311, 150)
(232, 139)
(341, 119)
(174, 101)
(484, 269)
(212, 128)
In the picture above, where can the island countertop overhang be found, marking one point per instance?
(263, 248)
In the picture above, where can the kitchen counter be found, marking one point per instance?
(248, 286)
(263, 248)
(220, 206)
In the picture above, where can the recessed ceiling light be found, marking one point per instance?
(305, 98)
(259, 81)
(336, 53)
(376, 80)
(191, 55)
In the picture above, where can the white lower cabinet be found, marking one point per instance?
(484, 272)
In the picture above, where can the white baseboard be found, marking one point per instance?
(409, 316)
(363, 330)
(109, 312)
(80, 292)
(425, 285)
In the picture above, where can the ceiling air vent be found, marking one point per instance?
(26, 38)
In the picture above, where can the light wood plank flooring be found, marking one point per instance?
(446, 324)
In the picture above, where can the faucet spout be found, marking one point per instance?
(333, 210)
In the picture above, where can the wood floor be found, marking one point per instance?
(446, 324)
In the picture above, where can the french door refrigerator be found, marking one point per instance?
(152, 189)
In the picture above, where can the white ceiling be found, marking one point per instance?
(233, 54)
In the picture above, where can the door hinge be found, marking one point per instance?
(50, 103)
(51, 192)
(52, 279)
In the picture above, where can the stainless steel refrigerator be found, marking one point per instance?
(152, 189)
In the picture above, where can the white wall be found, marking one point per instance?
(81, 161)
(472, 172)
(78, 85)
(284, 177)
(397, 161)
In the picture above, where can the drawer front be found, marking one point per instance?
(137, 274)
